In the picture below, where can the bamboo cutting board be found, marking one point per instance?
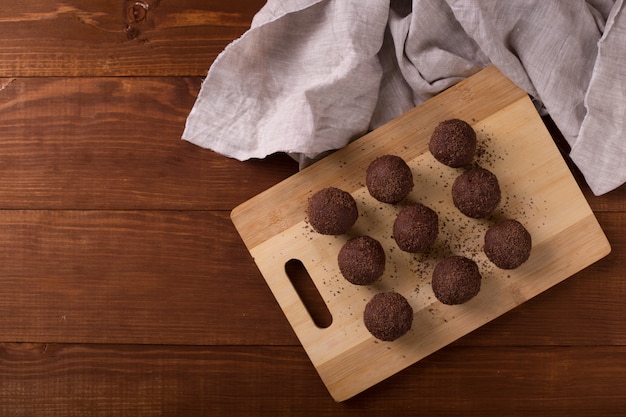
(537, 189)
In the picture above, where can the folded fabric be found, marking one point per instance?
(312, 75)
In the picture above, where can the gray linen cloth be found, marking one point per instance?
(309, 76)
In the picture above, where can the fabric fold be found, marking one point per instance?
(601, 148)
(310, 76)
(302, 82)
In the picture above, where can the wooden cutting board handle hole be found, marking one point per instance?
(309, 295)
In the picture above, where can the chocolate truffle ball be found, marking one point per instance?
(332, 211)
(456, 280)
(388, 316)
(361, 260)
(476, 192)
(389, 179)
(508, 244)
(453, 143)
(416, 228)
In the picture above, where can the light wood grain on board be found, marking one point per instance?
(535, 182)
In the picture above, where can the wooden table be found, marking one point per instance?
(126, 290)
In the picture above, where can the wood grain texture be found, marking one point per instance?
(112, 380)
(115, 143)
(107, 38)
(126, 291)
(130, 277)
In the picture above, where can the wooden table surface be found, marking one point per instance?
(126, 290)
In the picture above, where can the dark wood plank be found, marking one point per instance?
(612, 201)
(50, 380)
(185, 277)
(115, 143)
(132, 277)
(121, 38)
(120, 267)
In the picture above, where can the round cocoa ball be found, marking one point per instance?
(508, 244)
(456, 280)
(332, 211)
(388, 316)
(361, 260)
(416, 228)
(453, 143)
(389, 179)
(476, 192)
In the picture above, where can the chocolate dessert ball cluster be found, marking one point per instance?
(455, 279)
(476, 193)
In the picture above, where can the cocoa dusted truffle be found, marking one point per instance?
(361, 260)
(332, 211)
(456, 280)
(507, 244)
(388, 316)
(416, 228)
(476, 192)
(453, 143)
(389, 179)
